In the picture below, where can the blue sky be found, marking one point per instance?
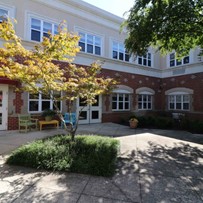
(117, 7)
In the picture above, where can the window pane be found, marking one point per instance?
(120, 97)
(178, 62)
(115, 46)
(186, 106)
(185, 98)
(35, 24)
(83, 115)
(186, 60)
(127, 56)
(178, 98)
(45, 105)
(0, 118)
(114, 105)
(178, 105)
(46, 35)
(47, 27)
(115, 54)
(58, 104)
(82, 45)
(55, 29)
(126, 97)
(144, 62)
(149, 105)
(95, 114)
(171, 106)
(97, 50)
(90, 49)
(114, 97)
(120, 105)
(120, 56)
(82, 37)
(126, 105)
(35, 35)
(172, 56)
(98, 41)
(121, 48)
(172, 63)
(140, 60)
(33, 106)
(149, 63)
(144, 105)
(89, 39)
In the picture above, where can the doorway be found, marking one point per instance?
(90, 113)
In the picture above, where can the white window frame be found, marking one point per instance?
(176, 61)
(120, 49)
(149, 100)
(119, 92)
(182, 102)
(42, 19)
(40, 100)
(147, 58)
(94, 43)
(9, 9)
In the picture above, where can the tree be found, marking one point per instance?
(38, 70)
(165, 24)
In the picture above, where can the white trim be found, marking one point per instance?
(85, 11)
(119, 91)
(11, 9)
(145, 90)
(179, 90)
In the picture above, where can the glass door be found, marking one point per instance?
(90, 113)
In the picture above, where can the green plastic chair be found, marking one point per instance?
(25, 122)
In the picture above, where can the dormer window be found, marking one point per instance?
(145, 60)
(173, 61)
(119, 52)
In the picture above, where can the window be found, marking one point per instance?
(144, 102)
(3, 15)
(145, 60)
(40, 29)
(179, 102)
(177, 62)
(90, 43)
(119, 52)
(40, 102)
(120, 101)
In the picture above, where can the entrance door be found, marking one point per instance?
(3, 107)
(90, 113)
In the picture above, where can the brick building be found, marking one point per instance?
(148, 84)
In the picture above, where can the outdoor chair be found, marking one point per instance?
(69, 118)
(25, 122)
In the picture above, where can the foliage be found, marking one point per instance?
(39, 66)
(94, 155)
(166, 24)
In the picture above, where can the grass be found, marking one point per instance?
(93, 155)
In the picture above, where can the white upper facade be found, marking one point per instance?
(101, 38)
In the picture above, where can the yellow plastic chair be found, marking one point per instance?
(25, 122)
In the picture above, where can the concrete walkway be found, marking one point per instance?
(154, 166)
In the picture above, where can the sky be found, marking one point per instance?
(117, 7)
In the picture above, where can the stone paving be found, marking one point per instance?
(154, 166)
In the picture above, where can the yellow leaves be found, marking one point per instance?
(39, 66)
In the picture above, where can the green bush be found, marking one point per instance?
(94, 155)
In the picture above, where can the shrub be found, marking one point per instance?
(94, 155)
